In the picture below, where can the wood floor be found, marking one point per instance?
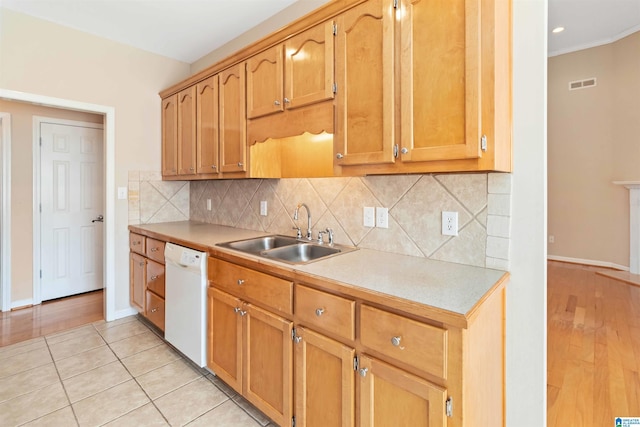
(50, 317)
(593, 356)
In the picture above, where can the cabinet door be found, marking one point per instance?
(392, 397)
(136, 280)
(170, 136)
(154, 309)
(207, 126)
(233, 126)
(264, 83)
(224, 337)
(155, 278)
(440, 75)
(325, 389)
(364, 132)
(309, 66)
(268, 376)
(187, 131)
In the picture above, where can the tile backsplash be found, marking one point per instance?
(153, 200)
(415, 203)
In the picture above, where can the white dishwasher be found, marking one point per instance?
(186, 301)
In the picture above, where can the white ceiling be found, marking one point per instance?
(186, 30)
(590, 23)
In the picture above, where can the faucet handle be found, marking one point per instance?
(298, 232)
(320, 236)
(329, 231)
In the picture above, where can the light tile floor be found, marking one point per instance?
(115, 374)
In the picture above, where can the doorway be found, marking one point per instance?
(69, 211)
(109, 234)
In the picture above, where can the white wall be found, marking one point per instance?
(527, 291)
(39, 57)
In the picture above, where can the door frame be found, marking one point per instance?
(109, 180)
(5, 212)
(37, 196)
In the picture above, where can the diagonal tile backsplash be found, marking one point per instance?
(415, 203)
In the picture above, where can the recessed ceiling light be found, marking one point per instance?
(557, 30)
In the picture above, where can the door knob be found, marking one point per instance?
(100, 218)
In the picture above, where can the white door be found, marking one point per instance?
(71, 197)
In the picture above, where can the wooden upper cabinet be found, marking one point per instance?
(264, 83)
(309, 64)
(364, 129)
(170, 136)
(207, 126)
(187, 131)
(233, 145)
(439, 80)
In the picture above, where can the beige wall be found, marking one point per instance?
(594, 139)
(43, 58)
(22, 187)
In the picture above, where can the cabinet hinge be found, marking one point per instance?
(449, 406)
(335, 29)
(395, 151)
(293, 334)
(395, 4)
(483, 143)
(335, 88)
(293, 421)
(356, 363)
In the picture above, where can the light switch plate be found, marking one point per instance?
(122, 193)
(263, 207)
(368, 219)
(208, 204)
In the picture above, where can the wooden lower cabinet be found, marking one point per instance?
(251, 350)
(154, 309)
(137, 280)
(325, 385)
(391, 397)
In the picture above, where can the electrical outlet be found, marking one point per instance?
(449, 223)
(208, 204)
(382, 217)
(368, 217)
(552, 238)
(263, 208)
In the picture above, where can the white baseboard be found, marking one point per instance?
(21, 303)
(119, 314)
(595, 263)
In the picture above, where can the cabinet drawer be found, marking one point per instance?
(137, 243)
(326, 311)
(154, 310)
(252, 285)
(155, 277)
(155, 250)
(418, 344)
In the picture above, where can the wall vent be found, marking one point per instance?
(582, 84)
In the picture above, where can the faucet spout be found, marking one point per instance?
(295, 217)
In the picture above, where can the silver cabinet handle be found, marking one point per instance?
(287, 101)
(319, 311)
(214, 167)
(153, 310)
(363, 372)
(240, 311)
(396, 342)
(153, 278)
(339, 156)
(404, 150)
(239, 164)
(240, 282)
(154, 249)
(141, 264)
(276, 102)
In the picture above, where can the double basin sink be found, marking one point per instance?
(287, 249)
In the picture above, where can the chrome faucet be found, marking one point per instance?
(295, 218)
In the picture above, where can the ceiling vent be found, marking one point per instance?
(582, 84)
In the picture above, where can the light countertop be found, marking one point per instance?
(455, 288)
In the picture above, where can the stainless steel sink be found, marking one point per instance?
(259, 244)
(287, 249)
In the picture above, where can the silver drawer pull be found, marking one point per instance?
(240, 282)
(396, 342)
(153, 310)
(363, 372)
(154, 278)
(319, 311)
(154, 249)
